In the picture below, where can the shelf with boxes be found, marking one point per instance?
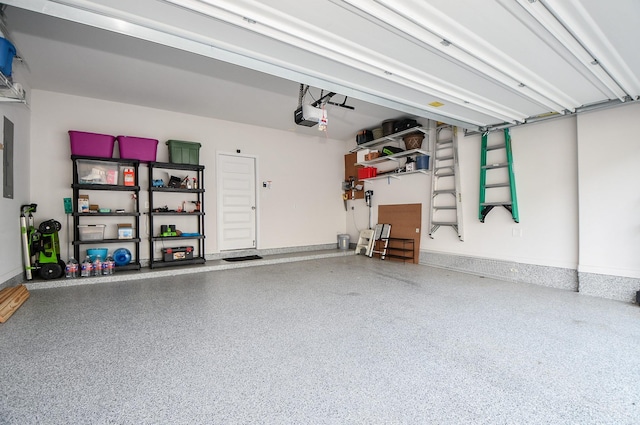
(106, 175)
(165, 186)
(407, 157)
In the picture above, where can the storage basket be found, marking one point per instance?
(91, 144)
(413, 140)
(387, 127)
(139, 148)
(377, 133)
(181, 152)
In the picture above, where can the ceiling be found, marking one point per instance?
(477, 64)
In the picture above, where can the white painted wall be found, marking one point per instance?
(609, 164)
(303, 207)
(10, 243)
(546, 183)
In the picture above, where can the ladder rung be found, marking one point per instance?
(449, 174)
(443, 158)
(444, 223)
(448, 207)
(494, 185)
(495, 204)
(495, 147)
(440, 191)
(492, 166)
(444, 142)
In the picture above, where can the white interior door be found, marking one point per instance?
(236, 202)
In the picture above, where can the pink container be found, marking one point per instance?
(137, 148)
(91, 144)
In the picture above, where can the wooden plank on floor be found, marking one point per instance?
(9, 306)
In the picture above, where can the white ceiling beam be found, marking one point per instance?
(558, 30)
(585, 28)
(429, 25)
(279, 26)
(121, 22)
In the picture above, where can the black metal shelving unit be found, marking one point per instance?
(198, 194)
(131, 215)
(401, 249)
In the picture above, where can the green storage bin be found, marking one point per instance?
(184, 152)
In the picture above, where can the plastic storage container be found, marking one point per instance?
(367, 172)
(91, 144)
(422, 162)
(177, 254)
(93, 252)
(91, 232)
(184, 152)
(97, 172)
(7, 52)
(137, 148)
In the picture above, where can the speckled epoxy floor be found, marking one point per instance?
(345, 340)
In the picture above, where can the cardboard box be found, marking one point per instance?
(371, 155)
(361, 155)
(83, 203)
(125, 231)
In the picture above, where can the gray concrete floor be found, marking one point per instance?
(344, 340)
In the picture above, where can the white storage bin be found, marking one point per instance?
(91, 232)
(97, 172)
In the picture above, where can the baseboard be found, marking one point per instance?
(16, 280)
(613, 287)
(553, 277)
(270, 251)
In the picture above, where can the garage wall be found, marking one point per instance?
(10, 243)
(302, 208)
(543, 247)
(609, 164)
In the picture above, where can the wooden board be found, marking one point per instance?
(11, 302)
(404, 220)
(351, 170)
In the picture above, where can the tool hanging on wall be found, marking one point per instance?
(367, 197)
(446, 198)
(506, 198)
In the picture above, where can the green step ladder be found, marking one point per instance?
(500, 180)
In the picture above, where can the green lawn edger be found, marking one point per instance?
(40, 246)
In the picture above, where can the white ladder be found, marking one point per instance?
(365, 242)
(446, 199)
(381, 233)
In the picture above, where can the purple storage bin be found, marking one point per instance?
(137, 148)
(91, 144)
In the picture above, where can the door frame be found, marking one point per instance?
(219, 213)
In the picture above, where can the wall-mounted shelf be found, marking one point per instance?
(396, 176)
(10, 92)
(394, 157)
(395, 137)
